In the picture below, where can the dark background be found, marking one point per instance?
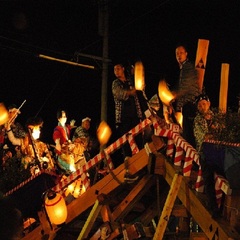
(147, 30)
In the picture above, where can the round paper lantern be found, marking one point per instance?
(3, 114)
(55, 207)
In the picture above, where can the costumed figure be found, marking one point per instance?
(67, 153)
(34, 153)
(8, 150)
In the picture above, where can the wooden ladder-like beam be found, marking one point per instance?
(167, 209)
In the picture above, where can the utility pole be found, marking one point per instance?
(103, 28)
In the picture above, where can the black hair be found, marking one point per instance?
(11, 106)
(202, 97)
(34, 121)
(59, 113)
(182, 45)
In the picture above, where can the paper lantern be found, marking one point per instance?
(3, 114)
(103, 133)
(164, 93)
(139, 76)
(55, 207)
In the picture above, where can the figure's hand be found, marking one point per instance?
(131, 92)
(72, 122)
(58, 147)
(8, 126)
(71, 146)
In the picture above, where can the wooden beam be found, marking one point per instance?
(167, 210)
(108, 183)
(90, 221)
(135, 194)
(201, 60)
(190, 199)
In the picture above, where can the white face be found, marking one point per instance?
(36, 133)
(63, 119)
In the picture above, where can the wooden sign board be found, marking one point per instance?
(201, 60)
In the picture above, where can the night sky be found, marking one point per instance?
(147, 30)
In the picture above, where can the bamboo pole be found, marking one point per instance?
(223, 94)
(65, 61)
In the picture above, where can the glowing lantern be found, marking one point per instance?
(76, 189)
(103, 133)
(139, 76)
(55, 207)
(3, 114)
(164, 93)
(79, 188)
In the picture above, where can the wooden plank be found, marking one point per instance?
(105, 186)
(130, 200)
(214, 229)
(135, 194)
(180, 211)
(90, 221)
(201, 60)
(198, 236)
(108, 184)
(165, 215)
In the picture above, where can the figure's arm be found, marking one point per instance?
(58, 145)
(120, 93)
(12, 138)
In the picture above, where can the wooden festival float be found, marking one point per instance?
(155, 194)
(164, 186)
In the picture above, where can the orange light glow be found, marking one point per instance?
(164, 93)
(103, 133)
(139, 76)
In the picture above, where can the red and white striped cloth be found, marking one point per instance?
(99, 157)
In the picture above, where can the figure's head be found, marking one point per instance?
(119, 70)
(62, 116)
(34, 124)
(203, 103)
(86, 123)
(181, 54)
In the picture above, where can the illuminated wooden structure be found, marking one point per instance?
(154, 168)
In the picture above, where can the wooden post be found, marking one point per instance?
(201, 60)
(163, 221)
(223, 94)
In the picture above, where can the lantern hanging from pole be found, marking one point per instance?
(55, 207)
(103, 133)
(164, 93)
(139, 76)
